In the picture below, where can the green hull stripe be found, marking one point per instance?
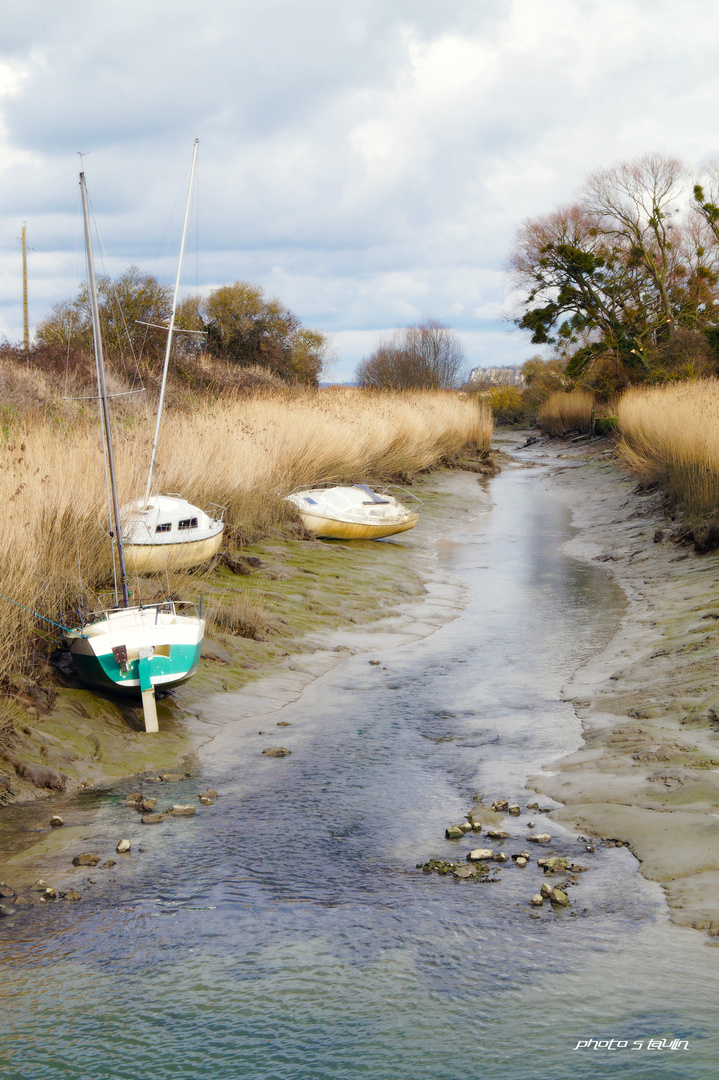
(104, 673)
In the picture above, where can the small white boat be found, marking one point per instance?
(352, 513)
(168, 532)
(137, 649)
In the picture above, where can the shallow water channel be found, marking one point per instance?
(286, 933)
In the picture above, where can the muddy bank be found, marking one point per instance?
(648, 772)
(322, 602)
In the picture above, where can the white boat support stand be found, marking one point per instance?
(147, 690)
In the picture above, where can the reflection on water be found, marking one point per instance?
(286, 932)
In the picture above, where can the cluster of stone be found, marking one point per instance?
(480, 858)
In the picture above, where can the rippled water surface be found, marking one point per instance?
(286, 932)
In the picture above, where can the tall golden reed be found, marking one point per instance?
(566, 411)
(670, 435)
(242, 453)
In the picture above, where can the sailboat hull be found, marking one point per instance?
(153, 558)
(334, 529)
(132, 649)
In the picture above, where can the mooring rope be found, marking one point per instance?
(38, 616)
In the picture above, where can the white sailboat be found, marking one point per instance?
(354, 512)
(166, 531)
(130, 649)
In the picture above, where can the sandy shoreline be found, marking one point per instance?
(648, 772)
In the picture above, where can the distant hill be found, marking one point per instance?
(510, 375)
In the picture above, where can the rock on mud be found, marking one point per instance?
(123, 845)
(480, 854)
(540, 838)
(42, 776)
(86, 859)
(183, 811)
(276, 751)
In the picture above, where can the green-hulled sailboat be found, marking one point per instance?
(131, 650)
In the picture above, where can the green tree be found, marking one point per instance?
(609, 280)
(244, 327)
(127, 305)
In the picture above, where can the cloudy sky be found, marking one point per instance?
(367, 161)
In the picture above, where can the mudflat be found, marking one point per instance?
(648, 773)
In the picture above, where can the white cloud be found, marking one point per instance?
(367, 162)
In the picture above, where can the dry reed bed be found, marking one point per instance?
(566, 411)
(670, 436)
(244, 454)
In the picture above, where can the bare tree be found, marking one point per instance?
(634, 202)
(428, 356)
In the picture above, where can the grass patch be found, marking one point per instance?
(567, 411)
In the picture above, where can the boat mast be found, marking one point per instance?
(102, 386)
(171, 327)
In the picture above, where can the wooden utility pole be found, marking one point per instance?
(25, 318)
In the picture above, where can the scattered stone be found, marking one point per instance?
(71, 894)
(521, 861)
(5, 910)
(577, 869)
(173, 777)
(179, 810)
(146, 806)
(537, 901)
(86, 859)
(476, 826)
(204, 801)
(555, 864)
(48, 894)
(454, 832)
(546, 890)
(40, 885)
(6, 891)
(153, 819)
(591, 848)
(500, 804)
(135, 797)
(530, 824)
(459, 872)
(108, 865)
(276, 751)
(532, 806)
(513, 809)
(540, 838)
(374, 663)
(123, 845)
(480, 854)
(498, 834)
(56, 821)
(283, 723)
(560, 898)
(209, 794)
(522, 855)
(500, 857)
